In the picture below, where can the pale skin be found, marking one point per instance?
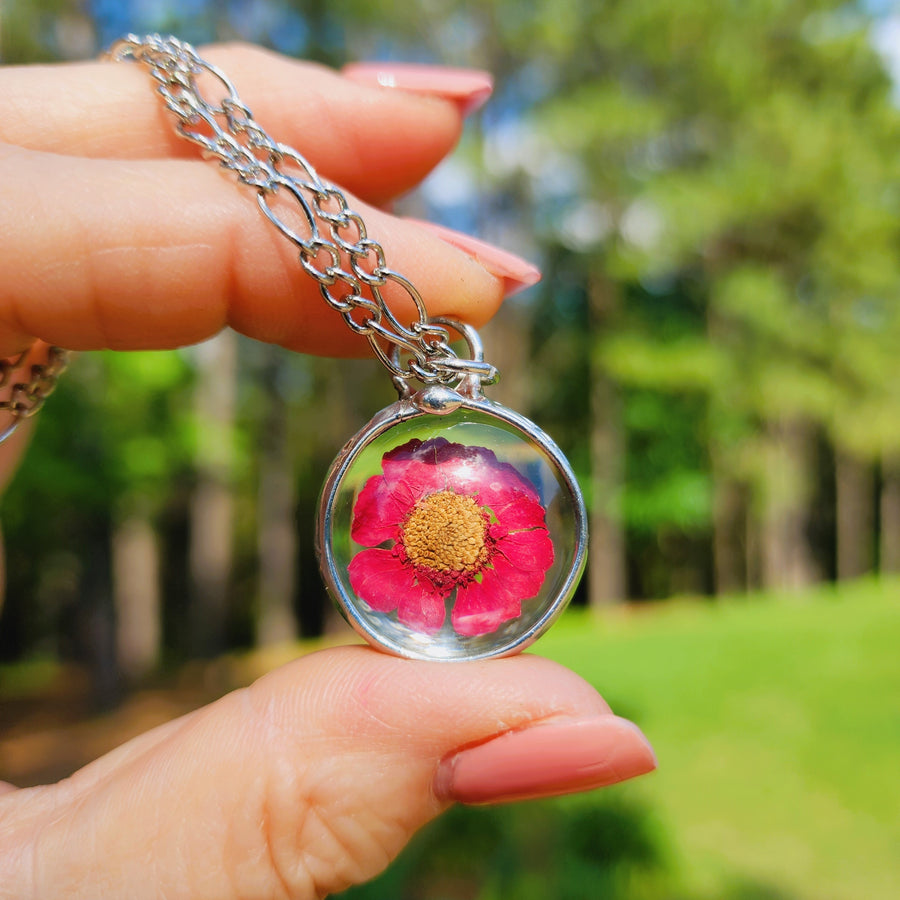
(113, 233)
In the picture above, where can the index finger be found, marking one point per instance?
(155, 254)
(163, 252)
(375, 142)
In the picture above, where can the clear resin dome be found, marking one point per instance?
(458, 535)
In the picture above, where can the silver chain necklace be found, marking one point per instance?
(449, 526)
(28, 390)
(333, 244)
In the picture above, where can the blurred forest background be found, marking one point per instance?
(712, 190)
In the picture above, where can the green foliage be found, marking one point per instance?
(738, 161)
(669, 488)
(41, 30)
(609, 847)
(758, 174)
(685, 364)
(143, 406)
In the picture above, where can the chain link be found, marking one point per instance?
(27, 396)
(333, 244)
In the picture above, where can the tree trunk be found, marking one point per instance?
(753, 555)
(10, 451)
(212, 504)
(277, 533)
(136, 595)
(731, 537)
(855, 490)
(889, 552)
(507, 346)
(787, 560)
(2, 570)
(729, 516)
(607, 567)
(92, 628)
(339, 385)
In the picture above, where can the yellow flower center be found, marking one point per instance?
(446, 532)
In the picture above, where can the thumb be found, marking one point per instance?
(315, 777)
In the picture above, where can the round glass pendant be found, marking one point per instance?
(451, 528)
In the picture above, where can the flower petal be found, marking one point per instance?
(516, 511)
(531, 551)
(466, 469)
(386, 500)
(424, 612)
(482, 607)
(413, 464)
(380, 578)
(522, 583)
(377, 514)
(383, 581)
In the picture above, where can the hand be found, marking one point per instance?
(310, 780)
(114, 234)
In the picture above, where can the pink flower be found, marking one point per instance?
(445, 518)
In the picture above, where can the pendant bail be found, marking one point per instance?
(465, 375)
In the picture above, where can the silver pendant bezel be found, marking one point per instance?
(442, 401)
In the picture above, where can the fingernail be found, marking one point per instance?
(467, 88)
(546, 760)
(515, 273)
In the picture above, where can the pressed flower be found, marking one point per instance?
(449, 521)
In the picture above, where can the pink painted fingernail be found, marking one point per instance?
(556, 757)
(467, 88)
(515, 273)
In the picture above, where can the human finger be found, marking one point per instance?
(153, 254)
(314, 778)
(377, 143)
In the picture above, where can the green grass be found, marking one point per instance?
(777, 726)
